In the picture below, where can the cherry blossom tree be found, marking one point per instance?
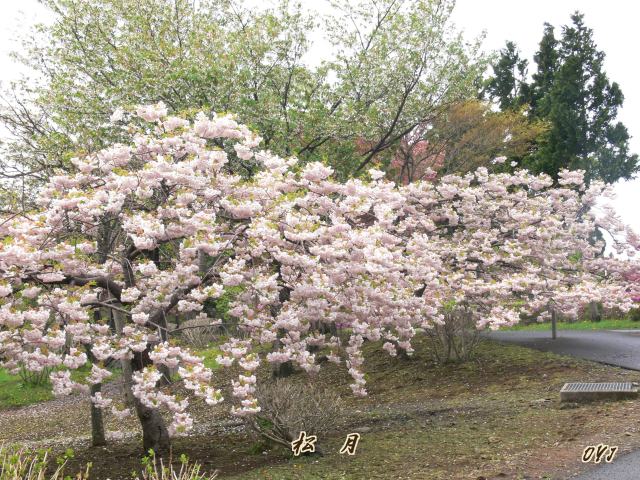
(158, 226)
(513, 244)
(633, 274)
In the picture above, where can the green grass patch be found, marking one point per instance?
(14, 393)
(582, 325)
(209, 356)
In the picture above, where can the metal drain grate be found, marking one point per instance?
(580, 392)
(598, 387)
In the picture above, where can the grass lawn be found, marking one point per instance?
(209, 356)
(624, 324)
(13, 393)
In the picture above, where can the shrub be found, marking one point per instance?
(199, 332)
(634, 314)
(35, 378)
(456, 339)
(287, 408)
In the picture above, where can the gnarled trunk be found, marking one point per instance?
(283, 370)
(155, 435)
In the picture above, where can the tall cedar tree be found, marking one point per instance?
(570, 91)
(546, 59)
(509, 82)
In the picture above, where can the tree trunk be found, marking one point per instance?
(282, 370)
(163, 369)
(97, 421)
(127, 370)
(97, 426)
(155, 435)
(401, 352)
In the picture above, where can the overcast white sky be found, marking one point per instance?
(614, 23)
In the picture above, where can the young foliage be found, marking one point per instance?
(396, 62)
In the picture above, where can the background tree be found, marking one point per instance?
(571, 91)
(509, 82)
(546, 59)
(396, 63)
(466, 136)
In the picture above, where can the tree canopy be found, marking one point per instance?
(396, 63)
(467, 135)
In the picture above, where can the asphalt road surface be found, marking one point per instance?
(626, 467)
(614, 347)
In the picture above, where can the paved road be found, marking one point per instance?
(614, 347)
(626, 467)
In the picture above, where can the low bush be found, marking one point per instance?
(456, 339)
(199, 332)
(35, 378)
(287, 408)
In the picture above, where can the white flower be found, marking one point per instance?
(100, 402)
(140, 318)
(376, 174)
(152, 113)
(129, 294)
(117, 115)
(120, 414)
(5, 290)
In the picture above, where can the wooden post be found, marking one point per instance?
(553, 323)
